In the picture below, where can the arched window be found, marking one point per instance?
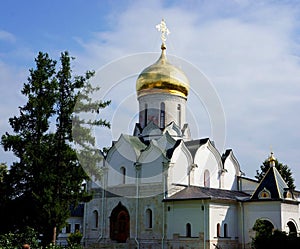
(188, 230)
(95, 219)
(162, 115)
(146, 115)
(179, 115)
(123, 173)
(149, 218)
(206, 179)
(218, 230)
(225, 230)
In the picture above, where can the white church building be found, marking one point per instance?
(162, 188)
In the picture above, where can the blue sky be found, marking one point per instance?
(248, 50)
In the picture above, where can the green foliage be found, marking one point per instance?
(52, 246)
(266, 237)
(16, 240)
(283, 169)
(74, 238)
(3, 172)
(84, 120)
(263, 229)
(47, 179)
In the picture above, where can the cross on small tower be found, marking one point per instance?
(162, 27)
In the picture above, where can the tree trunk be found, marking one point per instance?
(54, 235)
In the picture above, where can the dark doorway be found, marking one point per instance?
(119, 224)
(292, 229)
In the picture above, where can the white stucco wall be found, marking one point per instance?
(247, 185)
(289, 212)
(151, 161)
(181, 213)
(180, 162)
(260, 210)
(123, 156)
(223, 214)
(230, 176)
(171, 113)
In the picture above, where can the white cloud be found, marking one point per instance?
(6, 36)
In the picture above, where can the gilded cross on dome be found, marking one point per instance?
(162, 27)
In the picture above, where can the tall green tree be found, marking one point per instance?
(283, 169)
(48, 177)
(29, 142)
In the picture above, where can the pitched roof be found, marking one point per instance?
(273, 184)
(226, 154)
(201, 193)
(77, 211)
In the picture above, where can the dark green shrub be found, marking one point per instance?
(74, 238)
(19, 238)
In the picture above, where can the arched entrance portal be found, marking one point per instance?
(292, 228)
(119, 224)
(263, 228)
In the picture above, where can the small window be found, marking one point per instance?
(77, 227)
(68, 228)
(123, 173)
(225, 230)
(265, 193)
(146, 115)
(218, 230)
(162, 115)
(149, 218)
(179, 115)
(206, 179)
(95, 219)
(188, 230)
(289, 195)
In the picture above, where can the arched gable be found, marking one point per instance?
(123, 154)
(151, 130)
(208, 158)
(151, 161)
(180, 164)
(151, 152)
(232, 167)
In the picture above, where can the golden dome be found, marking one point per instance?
(162, 77)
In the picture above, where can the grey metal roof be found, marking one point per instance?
(200, 193)
(77, 211)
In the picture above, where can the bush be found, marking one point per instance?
(276, 240)
(51, 246)
(19, 238)
(74, 239)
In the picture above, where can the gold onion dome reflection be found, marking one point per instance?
(162, 77)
